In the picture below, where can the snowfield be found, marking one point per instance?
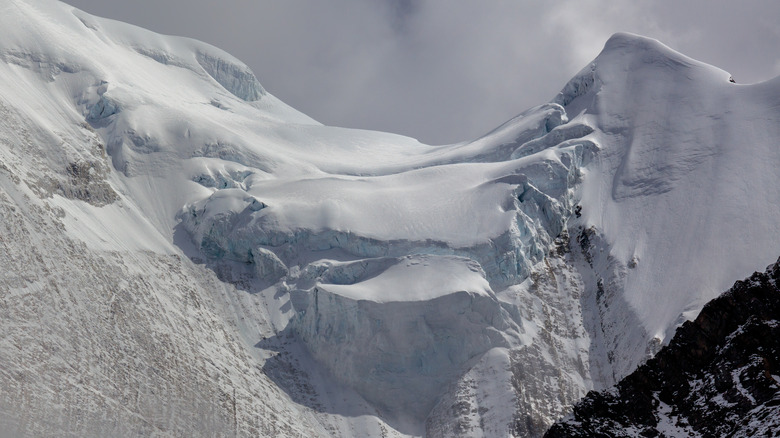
(186, 255)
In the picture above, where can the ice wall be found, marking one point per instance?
(384, 316)
(238, 79)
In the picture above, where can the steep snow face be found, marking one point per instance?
(683, 196)
(361, 283)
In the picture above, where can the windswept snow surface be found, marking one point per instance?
(684, 192)
(186, 255)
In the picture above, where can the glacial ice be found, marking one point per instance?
(383, 313)
(225, 224)
(105, 107)
(578, 86)
(237, 79)
(382, 349)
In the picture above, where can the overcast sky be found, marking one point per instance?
(446, 70)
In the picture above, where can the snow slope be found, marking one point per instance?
(308, 280)
(685, 184)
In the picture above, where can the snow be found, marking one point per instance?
(417, 278)
(348, 282)
(736, 377)
(111, 227)
(485, 400)
(685, 180)
(669, 424)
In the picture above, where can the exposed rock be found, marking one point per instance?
(87, 182)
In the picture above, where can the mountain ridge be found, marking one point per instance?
(716, 377)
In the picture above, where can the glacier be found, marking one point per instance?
(187, 255)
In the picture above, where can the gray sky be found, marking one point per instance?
(448, 70)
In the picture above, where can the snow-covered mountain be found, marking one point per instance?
(186, 255)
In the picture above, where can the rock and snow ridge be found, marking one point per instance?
(308, 280)
(717, 377)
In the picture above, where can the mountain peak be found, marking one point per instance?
(636, 43)
(630, 58)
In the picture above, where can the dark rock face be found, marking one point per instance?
(719, 376)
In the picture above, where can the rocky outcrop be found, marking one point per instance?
(719, 376)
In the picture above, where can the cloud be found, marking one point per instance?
(446, 70)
